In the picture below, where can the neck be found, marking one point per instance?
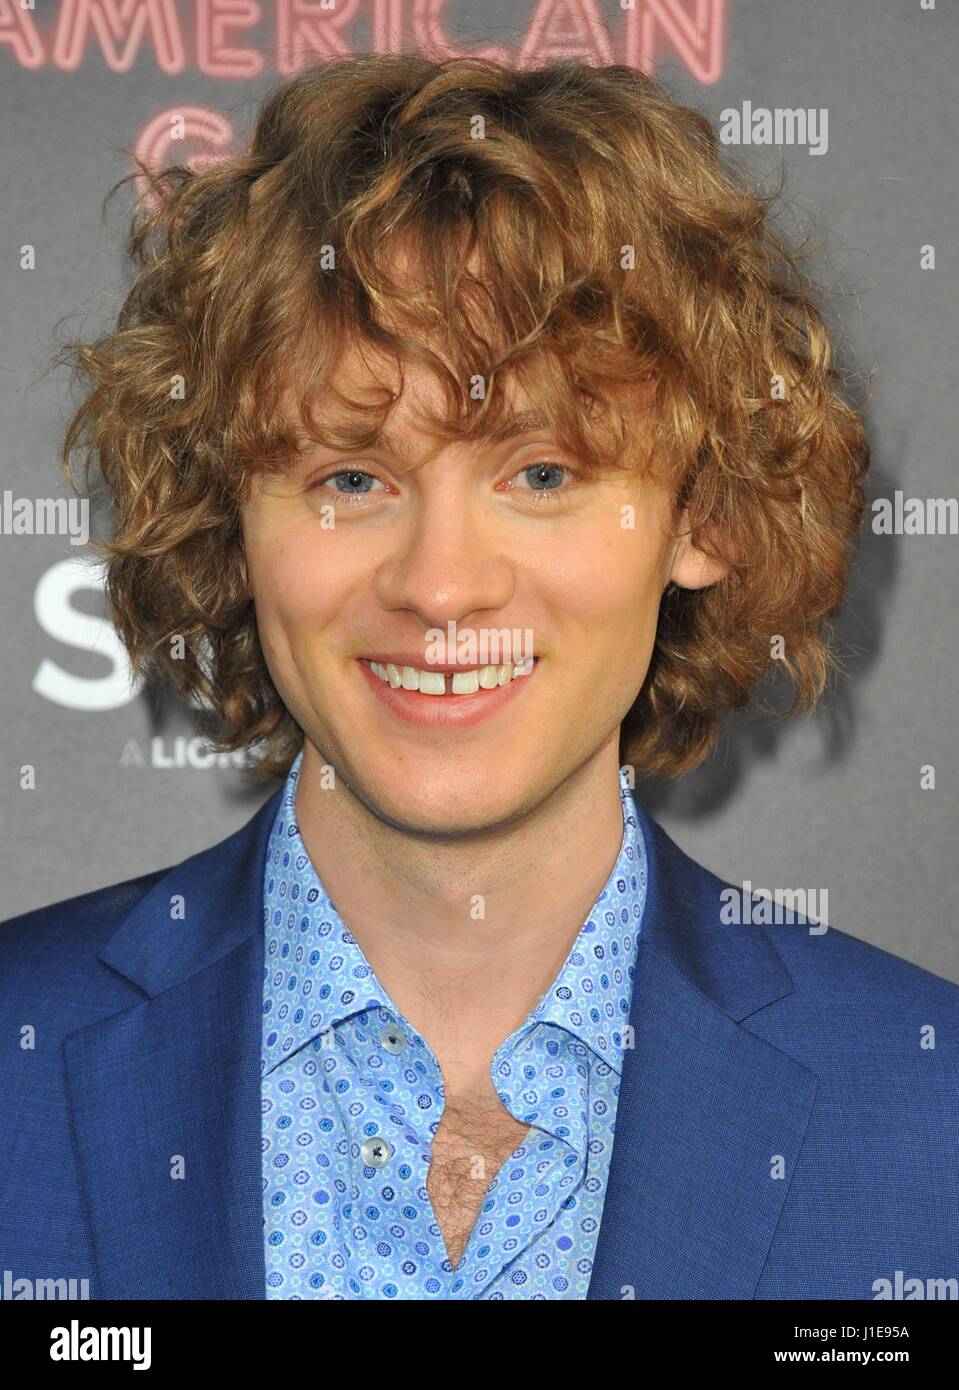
(466, 935)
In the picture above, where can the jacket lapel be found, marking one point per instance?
(705, 1106)
(165, 1096)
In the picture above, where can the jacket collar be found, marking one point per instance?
(173, 1083)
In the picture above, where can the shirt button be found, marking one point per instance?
(376, 1152)
(392, 1039)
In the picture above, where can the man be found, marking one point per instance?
(510, 456)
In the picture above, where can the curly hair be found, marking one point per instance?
(618, 252)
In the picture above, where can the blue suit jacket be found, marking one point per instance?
(757, 1050)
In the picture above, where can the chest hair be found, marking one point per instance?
(473, 1141)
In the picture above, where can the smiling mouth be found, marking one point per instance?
(466, 682)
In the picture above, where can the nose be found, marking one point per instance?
(448, 560)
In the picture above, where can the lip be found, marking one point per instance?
(444, 711)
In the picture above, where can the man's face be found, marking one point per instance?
(355, 556)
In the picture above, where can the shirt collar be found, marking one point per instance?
(317, 975)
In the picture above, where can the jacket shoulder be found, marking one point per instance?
(61, 941)
(828, 961)
(847, 1001)
(99, 910)
(861, 1015)
(825, 962)
(60, 958)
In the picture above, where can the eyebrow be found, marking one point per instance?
(509, 428)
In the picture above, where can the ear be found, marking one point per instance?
(692, 568)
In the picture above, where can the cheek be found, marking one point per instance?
(292, 580)
(610, 586)
(294, 604)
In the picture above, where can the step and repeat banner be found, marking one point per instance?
(849, 102)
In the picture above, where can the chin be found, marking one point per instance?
(444, 804)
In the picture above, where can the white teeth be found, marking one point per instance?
(431, 682)
(463, 682)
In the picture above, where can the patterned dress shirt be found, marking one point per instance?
(352, 1096)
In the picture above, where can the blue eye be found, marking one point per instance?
(359, 481)
(546, 482)
(350, 484)
(540, 483)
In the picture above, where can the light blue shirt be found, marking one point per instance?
(352, 1095)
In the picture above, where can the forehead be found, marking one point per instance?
(448, 391)
(457, 372)
(368, 389)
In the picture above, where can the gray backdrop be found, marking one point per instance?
(832, 802)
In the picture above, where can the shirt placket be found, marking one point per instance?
(545, 1159)
(390, 1147)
